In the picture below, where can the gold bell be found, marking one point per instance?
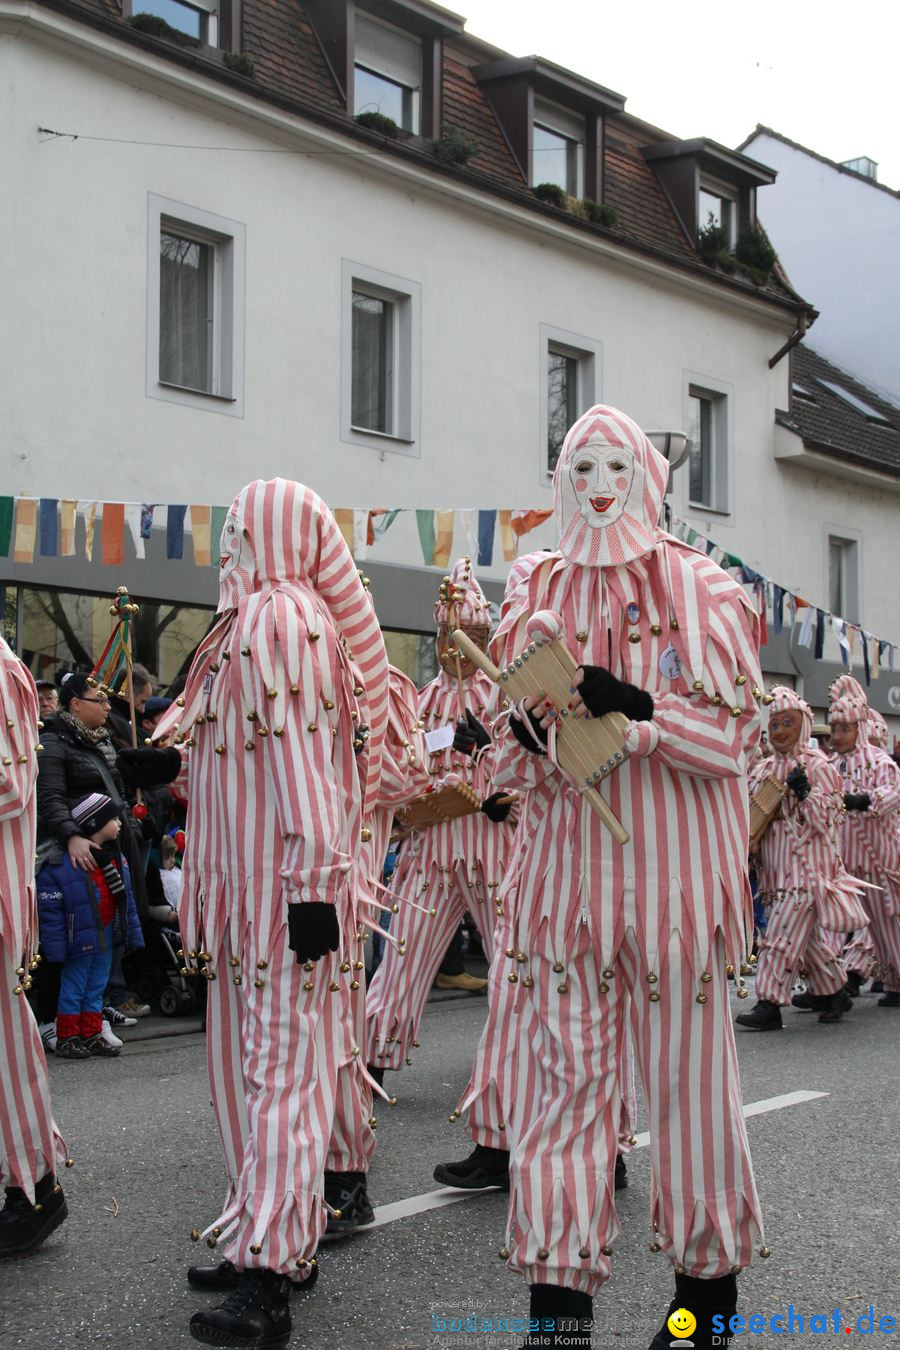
(195, 1235)
(365, 834)
(741, 679)
(654, 996)
(655, 1247)
(259, 984)
(510, 951)
(563, 988)
(271, 693)
(558, 967)
(307, 985)
(503, 1253)
(697, 686)
(765, 1252)
(606, 1251)
(255, 1248)
(735, 712)
(70, 1162)
(584, 1253)
(706, 977)
(701, 998)
(512, 977)
(542, 1253)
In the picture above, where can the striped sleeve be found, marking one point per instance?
(513, 765)
(818, 810)
(885, 797)
(18, 736)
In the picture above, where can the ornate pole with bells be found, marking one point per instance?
(115, 660)
(452, 595)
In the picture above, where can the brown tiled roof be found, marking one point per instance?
(826, 423)
(291, 70)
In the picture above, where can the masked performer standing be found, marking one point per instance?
(801, 877)
(645, 929)
(870, 842)
(274, 820)
(30, 1145)
(452, 867)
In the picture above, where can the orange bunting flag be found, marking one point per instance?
(443, 544)
(26, 530)
(344, 517)
(507, 536)
(201, 525)
(525, 521)
(112, 538)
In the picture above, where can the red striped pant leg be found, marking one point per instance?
(352, 1140)
(792, 920)
(562, 1209)
(823, 972)
(628, 1092)
(401, 984)
(491, 1089)
(224, 1046)
(291, 1040)
(480, 899)
(859, 953)
(885, 932)
(30, 1144)
(705, 1207)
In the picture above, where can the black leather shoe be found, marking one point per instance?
(854, 983)
(831, 1006)
(346, 1193)
(703, 1300)
(803, 1001)
(889, 1001)
(621, 1179)
(255, 1315)
(484, 1167)
(565, 1317)
(224, 1276)
(23, 1226)
(764, 1017)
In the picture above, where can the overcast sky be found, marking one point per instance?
(823, 74)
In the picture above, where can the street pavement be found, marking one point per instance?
(148, 1169)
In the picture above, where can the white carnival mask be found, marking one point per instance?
(602, 476)
(237, 565)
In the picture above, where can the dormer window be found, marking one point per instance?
(198, 19)
(387, 72)
(718, 206)
(557, 148)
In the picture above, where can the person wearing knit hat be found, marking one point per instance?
(31, 1147)
(284, 734)
(870, 842)
(451, 867)
(803, 883)
(641, 929)
(80, 911)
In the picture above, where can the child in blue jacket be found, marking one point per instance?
(79, 911)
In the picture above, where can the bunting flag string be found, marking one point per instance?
(46, 527)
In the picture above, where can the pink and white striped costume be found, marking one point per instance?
(403, 776)
(274, 818)
(450, 868)
(30, 1144)
(870, 839)
(802, 881)
(643, 930)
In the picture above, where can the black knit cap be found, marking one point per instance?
(91, 813)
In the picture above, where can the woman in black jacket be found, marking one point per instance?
(79, 758)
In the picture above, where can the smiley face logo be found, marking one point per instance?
(682, 1323)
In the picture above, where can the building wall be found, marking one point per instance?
(837, 236)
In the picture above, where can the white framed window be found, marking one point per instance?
(843, 574)
(718, 205)
(380, 359)
(195, 307)
(387, 72)
(708, 420)
(570, 384)
(197, 18)
(557, 148)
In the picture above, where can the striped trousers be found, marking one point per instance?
(704, 1204)
(30, 1144)
(401, 983)
(274, 1049)
(792, 942)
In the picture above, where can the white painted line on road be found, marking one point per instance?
(757, 1108)
(420, 1204)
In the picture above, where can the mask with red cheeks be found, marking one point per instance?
(844, 737)
(784, 731)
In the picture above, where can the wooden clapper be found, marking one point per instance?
(587, 749)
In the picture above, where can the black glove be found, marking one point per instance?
(470, 735)
(798, 783)
(602, 693)
(521, 733)
(857, 801)
(494, 809)
(148, 766)
(312, 930)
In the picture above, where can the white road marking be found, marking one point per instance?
(420, 1204)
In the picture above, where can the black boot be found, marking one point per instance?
(377, 1071)
(854, 983)
(621, 1173)
(483, 1167)
(562, 1317)
(23, 1226)
(803, 1001)
(255, 1314)
(346, 1193)
(889, 1001)
(703, 1300)
(764, 1016)
(224, 1276)
(830, 1007)
(876, 987)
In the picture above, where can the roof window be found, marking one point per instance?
(871, 414)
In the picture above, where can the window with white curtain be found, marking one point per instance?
(195, 315)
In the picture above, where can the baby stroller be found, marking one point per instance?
(155, 973)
